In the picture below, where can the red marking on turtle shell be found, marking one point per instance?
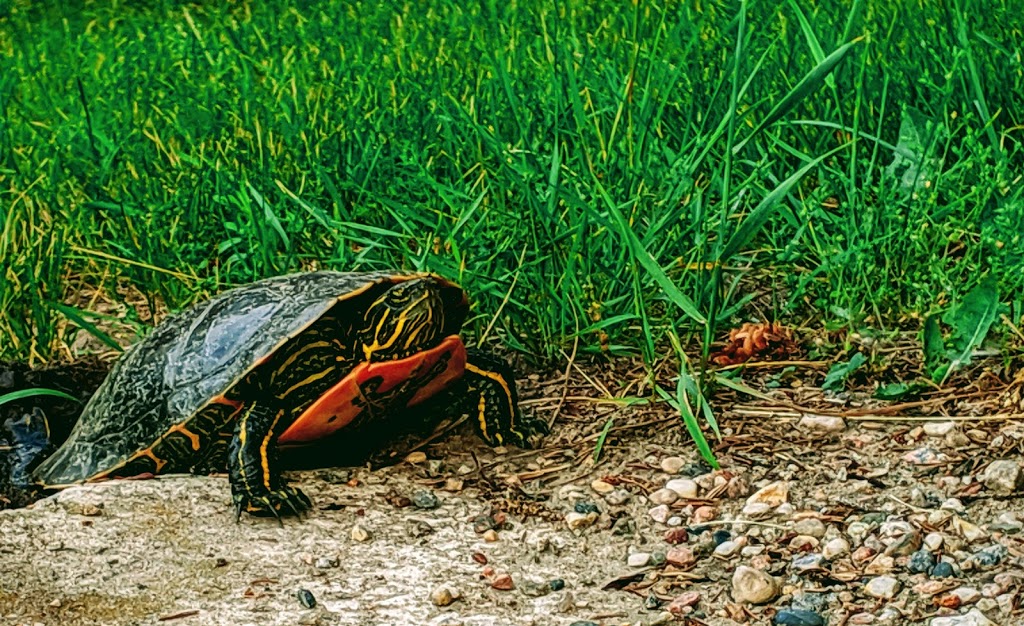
(223, 400)
(336, 408)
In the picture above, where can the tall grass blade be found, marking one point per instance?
(78, 317)
(21, 394)
(764, 210)
(807, 85)
(647, 261)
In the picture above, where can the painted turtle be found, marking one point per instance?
(283, 361)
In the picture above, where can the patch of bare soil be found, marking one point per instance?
(827, 509)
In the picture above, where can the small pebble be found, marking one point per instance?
(991, 590)
(727, 548)
(602, 487)
(586, 508)
(490, 535)
(921, 562)
(683, 487)
(444, 595)
(680, 557)
(807, 563)
(758, 510)
(974, 617)
(822, 423)
(306, 598)
(967, 595)
(1006, 603)
(970, 532)
(882, 587)
(881, 564)
(502, 582)
(660, 513)
(424, 499)
(932, 542)
(416, 457)
(798, 617)
(663, 496)
(858, 531)
(1003, 477)
(942, 570)
(835, 548)
(810, 526)
(774, 494)
(703, 514)
(803, 543)
(672, 464)
(930, 587)
(638, 559)
(938, 429)
(862, 554)
(683, 603)
(327, 562)
(676, 535)
(1007, 522)
(360, 534)
(578, 521)
(753, 586)
(953, 504)
(924, 456)
(988, 557)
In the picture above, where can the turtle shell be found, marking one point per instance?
(163, 403)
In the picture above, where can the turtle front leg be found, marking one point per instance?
(256, 482)
(494, 403)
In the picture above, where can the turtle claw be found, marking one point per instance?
(528, 433)
(284, 500)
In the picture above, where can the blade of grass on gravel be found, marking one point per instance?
(688, 395)
(602, 437)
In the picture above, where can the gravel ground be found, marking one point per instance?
(811, 520)
(141, 551)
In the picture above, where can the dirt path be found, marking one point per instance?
(840, 523)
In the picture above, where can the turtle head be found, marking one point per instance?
(409, 317)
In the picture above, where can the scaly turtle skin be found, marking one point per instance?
(283, 361)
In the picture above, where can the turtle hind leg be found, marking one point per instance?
(256, 483)
(494, 403)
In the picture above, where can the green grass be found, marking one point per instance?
(569, 156)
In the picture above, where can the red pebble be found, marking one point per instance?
(502, 582)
